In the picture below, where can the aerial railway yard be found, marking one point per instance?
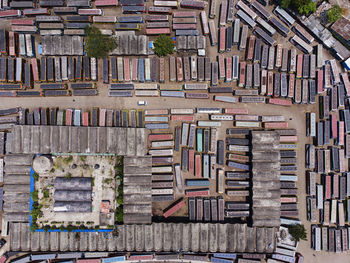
(246, 127)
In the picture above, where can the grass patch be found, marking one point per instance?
(46, 193)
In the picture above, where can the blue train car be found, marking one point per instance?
(141, 71)
(220, 260)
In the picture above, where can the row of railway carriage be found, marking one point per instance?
(181, 68)
(259, 20)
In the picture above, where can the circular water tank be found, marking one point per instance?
(42, 164)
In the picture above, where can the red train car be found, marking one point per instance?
(229, 69)
(69, 113)
(205, 25)
(241, 82)
(269, 83)
(182, 118)
(276, 125)
(160, 137)
(346, 82)
(236, 111)
(134, 69)
(86, 118)
(102, 118)
(222, 44)
(291, 85)
(221, 67)
(174, 208)
(251, 45)
(282, 102)
(198, 165)
(340, 133)
(334, 122)
(297, 91)
(191, 161)
(140, 257)
(126, 69)
(179, 69)
(12, 47)
(22, 22)
(319, 76)
(35, 69)
(192, 193)
(299, 66)
(157, 31)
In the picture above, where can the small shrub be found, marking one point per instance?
(119, 215)
(107, 180)
(120, 199)
(67, 160)
(36, 176)
(35, 195)
(46, 193)
(68, 176)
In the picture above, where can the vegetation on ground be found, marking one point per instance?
(119, 193)
(68, 176)
(334, 13)
(36, 176)
(163, 45)
(304, 7)
(46, 193)
(67, 160)
(35, 213)
(98, 45)
(298, 232)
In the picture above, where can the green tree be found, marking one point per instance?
(307, 8)
(285, 3)
(304, 7)
(334, 13)
(163, 45)
(298, 232)
(98, 45)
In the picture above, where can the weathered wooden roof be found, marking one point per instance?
(137, 190)
(156, 237)
(266, 179)
(16, 187)
(64, 139)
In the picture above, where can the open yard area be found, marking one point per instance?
(100, 196)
